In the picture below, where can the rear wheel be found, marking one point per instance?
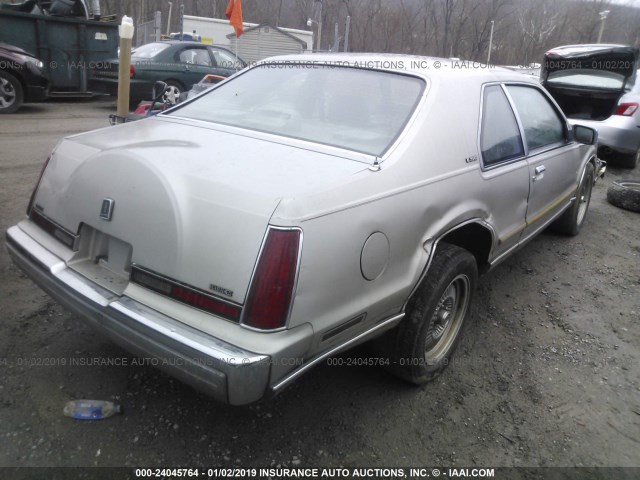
(11, 93)
(572, 219)
(420, 348)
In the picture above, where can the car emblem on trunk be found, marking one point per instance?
(106, 211)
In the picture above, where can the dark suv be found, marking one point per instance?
(21, 78)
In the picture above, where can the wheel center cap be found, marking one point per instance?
(443, 316)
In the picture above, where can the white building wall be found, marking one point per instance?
(264, 42)
(215, 30)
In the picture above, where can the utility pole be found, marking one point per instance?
(490, 44)
(346, 34)
(319, 27)
(279, 13)
(603, 19)
(318, 23)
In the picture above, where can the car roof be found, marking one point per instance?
(400, 63)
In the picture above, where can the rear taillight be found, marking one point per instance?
(271, 291)
(626, 109)
(185, 293)
(35, 189)
(132, 71)
(205, 302)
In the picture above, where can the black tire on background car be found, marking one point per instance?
(11, 93)
(625, 194)
(420, 347)
(570, 222)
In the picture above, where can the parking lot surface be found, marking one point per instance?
(546, 374)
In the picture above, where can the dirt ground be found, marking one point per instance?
(547, 373)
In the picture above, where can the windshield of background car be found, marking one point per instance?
(351, 108)
(587, 79)
(149, 50)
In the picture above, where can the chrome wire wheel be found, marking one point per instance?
(421, 346)
(447, 319)
(7, 93)
(584, 196)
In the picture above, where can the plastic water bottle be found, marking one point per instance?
(90, 409)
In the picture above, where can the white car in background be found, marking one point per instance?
(597, 85)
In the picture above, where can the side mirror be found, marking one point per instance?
(158, 89)
(586, 135)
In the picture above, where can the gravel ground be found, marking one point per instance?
(546, 375)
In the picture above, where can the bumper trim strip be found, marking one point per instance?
(389, 322)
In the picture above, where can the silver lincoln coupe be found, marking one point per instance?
(305, 205)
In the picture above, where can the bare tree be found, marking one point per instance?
(523, 29)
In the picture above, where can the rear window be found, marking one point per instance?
(587, 79)
(355, 109)
(149, 50)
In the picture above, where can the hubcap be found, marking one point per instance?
(7, 93)
(447, 319)
(171, 95)
(585, 195)
(442, 315)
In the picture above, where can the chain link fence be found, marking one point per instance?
(148, 31)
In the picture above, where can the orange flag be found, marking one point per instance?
(234, 14)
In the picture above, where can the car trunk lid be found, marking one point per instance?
(588, 81)
(619, 60)
(192, 204)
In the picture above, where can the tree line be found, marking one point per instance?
(522, 29)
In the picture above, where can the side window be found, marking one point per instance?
(541, 123)
(500, 137)
(223, 59)
(195, 56)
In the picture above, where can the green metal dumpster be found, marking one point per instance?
(68, 47)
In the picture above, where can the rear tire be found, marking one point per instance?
(11, 93)
(420, 348)
(572, 219)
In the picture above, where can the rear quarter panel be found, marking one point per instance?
(426, 187)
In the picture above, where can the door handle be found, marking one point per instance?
(539, 172)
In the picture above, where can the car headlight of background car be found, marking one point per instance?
(31, 61)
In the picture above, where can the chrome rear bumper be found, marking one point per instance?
(228, 373)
